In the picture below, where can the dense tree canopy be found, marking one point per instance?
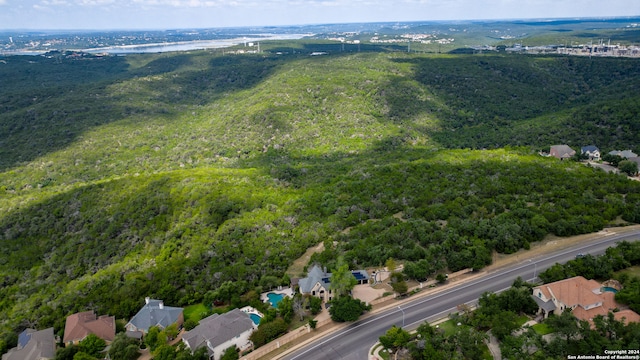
(346, 308)
(199, 177)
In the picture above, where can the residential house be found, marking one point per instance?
(81, 324)
(627, 154)
(33, 345)
(318, 280)
(561, 152)
(584, 298)
(591, 151)
(317, 283)
(220, 332)
(155, 313)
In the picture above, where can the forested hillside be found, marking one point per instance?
(168, 175)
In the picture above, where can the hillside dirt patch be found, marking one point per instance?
(297, 268)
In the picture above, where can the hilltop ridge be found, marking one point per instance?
(168, 175)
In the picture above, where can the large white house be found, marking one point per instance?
(220, 332)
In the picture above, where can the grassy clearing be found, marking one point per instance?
(297, 268)
(542, 329)
(449, 327)
(522, 319)
(195, 312)
(632, 271)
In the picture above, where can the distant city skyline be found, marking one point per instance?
(173, 14)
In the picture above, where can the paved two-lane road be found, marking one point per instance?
(355, 341)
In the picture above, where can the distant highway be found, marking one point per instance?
(354, 342)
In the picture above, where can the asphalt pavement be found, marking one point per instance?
(354, 341)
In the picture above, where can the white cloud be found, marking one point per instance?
(185, 3)
(95, 2)
(55, 2)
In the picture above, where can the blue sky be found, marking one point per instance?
(164, 14)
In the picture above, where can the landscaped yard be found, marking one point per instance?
(449, 327)
(542, 329)
(195, 312)
(522, 319)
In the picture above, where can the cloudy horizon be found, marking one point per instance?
(164, 14)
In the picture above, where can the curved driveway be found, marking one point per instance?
(354, 341)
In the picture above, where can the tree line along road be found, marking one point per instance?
(354, 341)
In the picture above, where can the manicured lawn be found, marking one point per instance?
(195, 312)
(448, 326)
(522, 319)
(542, 329)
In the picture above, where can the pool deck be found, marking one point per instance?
(284, 291)
(251, 310)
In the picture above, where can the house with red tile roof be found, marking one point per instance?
(584, 298)
(561, 152)
(81, 324)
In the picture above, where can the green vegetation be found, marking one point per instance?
(542, 329)
(395, 338)
(463, 336)
(200, 178)
(195, 312)
(346, 308)
(342, 282)
(464, 343)
(602, 267)
(124, 348)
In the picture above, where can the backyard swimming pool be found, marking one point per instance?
(274, 299)
(609, 289)
(255, 318)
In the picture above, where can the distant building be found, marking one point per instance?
(591, 151)
(33, 345)
(627, 154)
(79, 325)
(220, 332)
(561, 152)
(154, 313)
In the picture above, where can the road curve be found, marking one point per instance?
(354, 341)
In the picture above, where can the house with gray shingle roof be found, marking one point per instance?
(316, 283)
(33, 345)
(155, 313)
(220, 332)
(591, 151)
(318, 280)
(627, 154)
